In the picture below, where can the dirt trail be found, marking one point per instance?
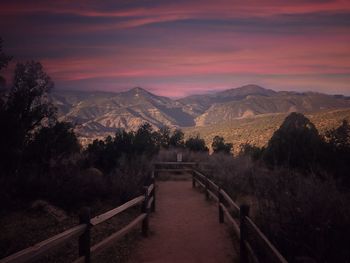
(184, 228)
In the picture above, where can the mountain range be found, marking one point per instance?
(97, 114)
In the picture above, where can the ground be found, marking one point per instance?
(185, 228)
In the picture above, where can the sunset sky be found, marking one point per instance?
(176, 48)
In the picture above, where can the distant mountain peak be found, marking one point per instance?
(138, 90)
(250, 89)
(101, 113)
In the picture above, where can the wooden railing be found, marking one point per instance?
(254, 245)
(38, 251)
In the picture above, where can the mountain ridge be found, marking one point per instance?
(99, 113)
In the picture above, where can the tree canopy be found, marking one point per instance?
(219, 145)
(295, 144)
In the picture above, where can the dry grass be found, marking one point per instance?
(305, 216)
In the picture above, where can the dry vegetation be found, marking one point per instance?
(305, 216)
(259, 129)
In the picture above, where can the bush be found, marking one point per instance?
(219, 145)
(296, 144)
(252, 151)
(196, 144)
(303, 215)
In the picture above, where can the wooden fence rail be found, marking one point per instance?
(254, 245)
(82, 231)
(252, 240)
(250, 236)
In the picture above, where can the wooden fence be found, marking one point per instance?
(38, 251)
(254, 245)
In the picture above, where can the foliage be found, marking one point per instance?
(295, 144)
(163, 138)
(219, 145)
(303, 216)
(337, 153)
(53, 143)
(252, 151)
(339, 138)
(4, 61)
(145, 140)
(196, 144)
(25, 111)
(177, 139)
(33, 143)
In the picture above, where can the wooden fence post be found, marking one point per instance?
(221, 212)
(84, 239)
(145, 222)
(243, 212)
(153, 207)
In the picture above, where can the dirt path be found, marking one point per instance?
(184, 228)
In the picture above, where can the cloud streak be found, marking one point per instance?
(185, 45)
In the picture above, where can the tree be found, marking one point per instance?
(177, 139)
(196, 144)
(26, 110)
(339, 138)
(4, 61)
(51, 143)
(253, 151)
(296, 144)
(219, 145)
(163, 137)
(145, 140)
(338, 152)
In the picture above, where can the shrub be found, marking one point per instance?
(296, 144)
(252, 151)
(196, 144)
(219, 145)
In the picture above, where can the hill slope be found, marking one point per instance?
(98, 114)
(259, 129)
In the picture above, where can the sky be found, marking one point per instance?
(183, 47)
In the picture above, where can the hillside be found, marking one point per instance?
(101, 113)
(259, 129)
(278, 102)
(98, 114)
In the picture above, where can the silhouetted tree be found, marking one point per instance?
(296, 144)
(26, 110)
(105, 154)
(337, 153)
(4, 60)
(53, 143)
(163, 137)
(145, 140)
(253, 151)
(196, 144)
(123, 141)
(177, 139)
(339, 138)
(219, 145)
